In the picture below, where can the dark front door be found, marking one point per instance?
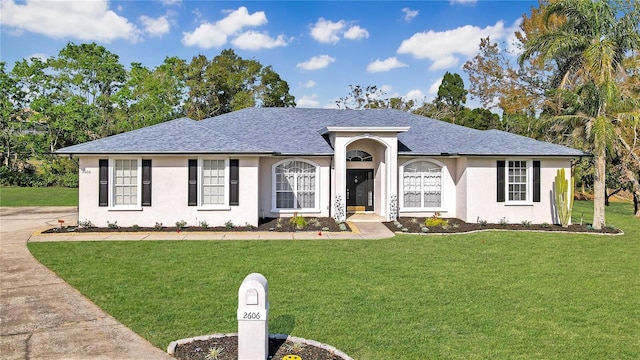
(359, 189)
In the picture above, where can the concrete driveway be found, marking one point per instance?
(41, 316)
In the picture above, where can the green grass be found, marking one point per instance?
(38, 196)
(491, 295)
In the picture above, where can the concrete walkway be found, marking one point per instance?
(43, 317)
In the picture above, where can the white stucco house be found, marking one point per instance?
(272, 162)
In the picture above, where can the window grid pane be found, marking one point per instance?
(422, 185)
(213, 182)
(125, 182)
(295, 185)
(517, 181)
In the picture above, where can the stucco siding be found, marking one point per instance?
(449, 191)
(169, 196)
(481, 194)
(265, 196)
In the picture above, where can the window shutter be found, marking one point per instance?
(146, 182)
(193, 182)
(501, 181)
(536, 181)
(103, 190)
(234, 190)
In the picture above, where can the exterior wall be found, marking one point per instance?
(449, 206)
(386, 178)
(169, 196)
(461, 187)
(481, 193)
(265, 188)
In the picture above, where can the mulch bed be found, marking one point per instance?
(416, 225)
(278, 349)
(265, 224)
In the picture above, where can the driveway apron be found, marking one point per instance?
(43, 317)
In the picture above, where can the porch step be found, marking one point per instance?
(364, 217)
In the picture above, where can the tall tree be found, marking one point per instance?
(588, 48)
(228, 83)
(452, 94)
(371, 97)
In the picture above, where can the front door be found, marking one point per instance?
(359, 190)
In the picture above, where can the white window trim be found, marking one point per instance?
(277, 210)
(443, 190)
(529, 200)
(223, 206)
(112, 185)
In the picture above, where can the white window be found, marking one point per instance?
(518, 181)
(213, 182)
(295, 184)
(421, 185)
(126, 180)
(214, 174)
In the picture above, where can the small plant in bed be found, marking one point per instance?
(436, 224)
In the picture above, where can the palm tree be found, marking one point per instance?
(588, 49)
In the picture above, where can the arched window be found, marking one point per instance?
(295, 185)
(422, 185)
(358, 155)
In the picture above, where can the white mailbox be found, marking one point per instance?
(253, 313)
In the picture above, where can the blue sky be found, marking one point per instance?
(318, 47)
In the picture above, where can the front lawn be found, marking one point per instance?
(485, 295)
(38, 196)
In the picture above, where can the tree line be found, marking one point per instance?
(85, 93)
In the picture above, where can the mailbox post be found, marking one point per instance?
(253, 312)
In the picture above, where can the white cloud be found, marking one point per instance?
(170, 2)
(309, 84)
(410, 14)
(385, 65)
(329, 32)
(463, 2)
(415, 94)
(444, 48)
(326, 31)
(433, 89)
(155, 27)
(356, 33)
(316, 62)
(209, 35)
(253, 40)
(308, 101)
(84, 20)
(386, 88)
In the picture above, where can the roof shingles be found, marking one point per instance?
(298, 131)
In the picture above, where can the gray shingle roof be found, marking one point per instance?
(298, 131)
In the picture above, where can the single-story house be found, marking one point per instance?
(274, 162)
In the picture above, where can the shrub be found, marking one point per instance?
(298, 220)
(181, 224)
(112, 225)
(436, 221)
(204, 224)
(229, 224)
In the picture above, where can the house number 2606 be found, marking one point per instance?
(251, 316)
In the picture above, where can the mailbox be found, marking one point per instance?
(253, 312)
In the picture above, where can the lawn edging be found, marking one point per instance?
(174, 344)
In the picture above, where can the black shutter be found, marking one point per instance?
(146, 182)
(536, 181)
(234, 174)
(103, 190)
(501, 181)
(193, 182)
